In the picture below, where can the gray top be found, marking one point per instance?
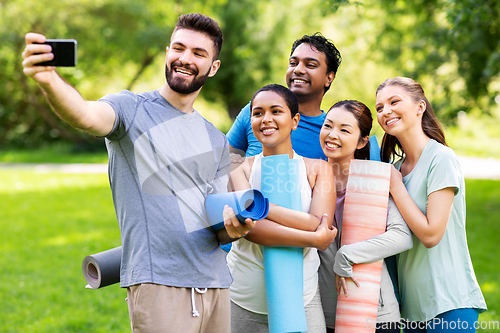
(396, 239)
(162, 165)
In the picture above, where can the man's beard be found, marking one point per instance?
(180, 85)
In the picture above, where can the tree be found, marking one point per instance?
(453, 46)
(258, 36)
(120, 39)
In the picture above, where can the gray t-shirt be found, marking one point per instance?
(162, 165)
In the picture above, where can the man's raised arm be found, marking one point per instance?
(97, 118)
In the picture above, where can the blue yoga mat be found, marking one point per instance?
(245, 203)
(283, 266)
(374, 149)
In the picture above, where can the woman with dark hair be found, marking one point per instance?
(345, 137)
(436, 278)
(274, 115)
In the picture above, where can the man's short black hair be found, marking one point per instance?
(324, 45)
(204, 24)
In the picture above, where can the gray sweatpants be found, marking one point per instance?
(243, 321)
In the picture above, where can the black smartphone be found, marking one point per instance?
(64, 51)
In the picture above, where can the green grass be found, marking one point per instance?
(52, 221)
(483, 230)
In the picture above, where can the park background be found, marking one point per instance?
(50, 220)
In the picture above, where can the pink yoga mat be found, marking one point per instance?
(365, 215)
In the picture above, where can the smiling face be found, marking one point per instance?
(397, 112)
(271, 119)
(307, 72)
(340, 135)
(189, 61)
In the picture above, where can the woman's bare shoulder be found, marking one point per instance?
(316, 166)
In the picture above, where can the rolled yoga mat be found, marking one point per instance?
(245, 203)
(283, 266)
(365, 216)
(102, 269)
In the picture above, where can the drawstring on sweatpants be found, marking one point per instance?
(193, 304)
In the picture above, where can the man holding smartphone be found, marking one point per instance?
(164, 159)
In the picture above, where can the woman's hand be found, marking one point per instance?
(341, 284)
(236, 161)
(396, 179)
(234, 228)
(325, 233)
(430, 227)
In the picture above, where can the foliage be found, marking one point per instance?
(258, 36)
(476, 134)
(119, 40)
(331, 6)
(452, 47)
(475, 37)
(119, 30)
(247, 30)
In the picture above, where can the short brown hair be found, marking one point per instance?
(204, 24)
